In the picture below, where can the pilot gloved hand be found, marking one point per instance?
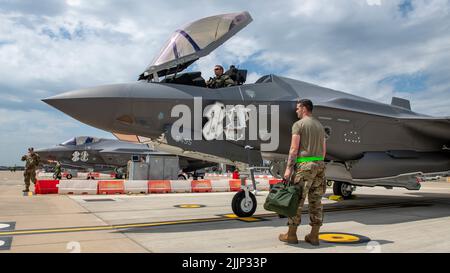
(209, 82)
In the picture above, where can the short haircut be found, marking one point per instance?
(306, 103)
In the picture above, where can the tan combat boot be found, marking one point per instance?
(313, 237)
(290, 237)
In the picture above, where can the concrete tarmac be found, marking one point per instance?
(395, 220)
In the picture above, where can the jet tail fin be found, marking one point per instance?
(403, 103)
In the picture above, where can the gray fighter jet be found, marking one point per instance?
(369, 143)
(100, 154)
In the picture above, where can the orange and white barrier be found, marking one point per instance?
(136, 186)
(221, 185)
(159, 186)
(77, 187)
(150, 186)
(201, 185)
(111, 187)
(180, 186)
(95, 175)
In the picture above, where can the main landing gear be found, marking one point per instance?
(343, 189)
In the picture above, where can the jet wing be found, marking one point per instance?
(195, 40)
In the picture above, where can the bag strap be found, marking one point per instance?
(287, 183)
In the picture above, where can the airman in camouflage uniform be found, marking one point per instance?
(57, 172)
(220, 80)
(310, 177)
(306, 157)
(31, 163)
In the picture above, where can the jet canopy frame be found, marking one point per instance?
(194, 41)
(81, 140)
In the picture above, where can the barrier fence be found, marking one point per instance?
(80, 187)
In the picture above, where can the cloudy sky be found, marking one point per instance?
(372, 48)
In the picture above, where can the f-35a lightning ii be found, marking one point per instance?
(101, 154)
(369, 143)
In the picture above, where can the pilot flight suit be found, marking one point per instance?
(31, 163)
(220, 81)
(309, 173)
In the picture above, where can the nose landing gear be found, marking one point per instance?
(244, 203)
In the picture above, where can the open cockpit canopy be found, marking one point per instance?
(81, 140)
(193, 41)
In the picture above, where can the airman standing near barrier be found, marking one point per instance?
(31, 163)
(57, 173)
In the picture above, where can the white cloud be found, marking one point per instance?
(73, 2)
(374, 2)
(22, 129)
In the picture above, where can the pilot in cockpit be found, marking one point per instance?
(220, 80)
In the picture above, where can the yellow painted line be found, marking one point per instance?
(170, 223)
(246, 219)
(57, 230)
(231, 215)
(249, 219)
(189, 206)
(100, 228)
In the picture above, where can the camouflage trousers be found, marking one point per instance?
(310, 177)
(29, 174)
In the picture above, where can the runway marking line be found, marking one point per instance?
(221, 218)
(245, 219)
(189, 206)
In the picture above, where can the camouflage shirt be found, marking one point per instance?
(219, 82)
(31, 161)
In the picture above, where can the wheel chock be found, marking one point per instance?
(335, 198)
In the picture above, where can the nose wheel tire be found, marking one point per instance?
(69, 176)
(343, 189)
(242, 207)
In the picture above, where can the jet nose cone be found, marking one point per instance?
(95, 106)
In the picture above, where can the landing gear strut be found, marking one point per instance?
(244, 202)
(343, 189)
